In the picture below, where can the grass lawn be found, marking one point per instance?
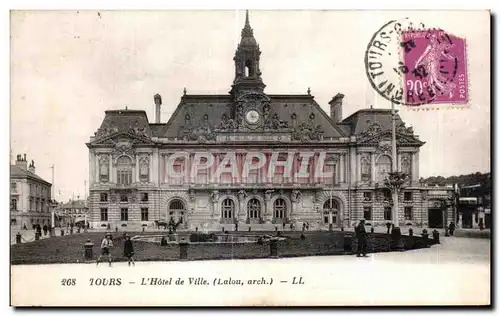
(69, 248)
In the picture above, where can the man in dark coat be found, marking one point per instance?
(128, 250)
(451, 227)
(361, 236)
(388, 225)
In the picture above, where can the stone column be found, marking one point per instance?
(414, 176)
(342, 168)
(373, 169)
(111, 177)
(151, 169)
(399, 160)
(352, 165)
(97, 169)
(459, 224)
(358, 167)
(136, 173)
(295, 197)
(268, 207)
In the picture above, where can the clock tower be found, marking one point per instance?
(246, 63)
(250, 103)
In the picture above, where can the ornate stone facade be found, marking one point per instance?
(328, 171)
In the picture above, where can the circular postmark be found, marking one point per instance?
(410, 65)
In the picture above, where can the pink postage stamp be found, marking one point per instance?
(437, 68)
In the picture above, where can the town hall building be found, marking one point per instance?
(200, 167)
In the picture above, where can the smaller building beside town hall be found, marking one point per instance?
(74, 212)
(30, 196)
(136, 167)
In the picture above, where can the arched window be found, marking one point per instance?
(330, 211)
(253, 208)
(279, 208)
(248, 68)
(406, 165)
(124, 168)
(227, 209)
(366, 169)
(384, 166)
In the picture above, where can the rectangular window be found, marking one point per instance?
(367, 196)
(144, 197)
(13, 185)
(124, 214)
(408, 196)
(367, 213)
(408, 213)
(124, 176)
(104, 197)
(104, 214)
(13, 204)
(388, 213)
(123, 198)
(144, 214)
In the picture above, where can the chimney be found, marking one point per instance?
(31, 167)
(336, 108)
(20, 162)
(157, 99)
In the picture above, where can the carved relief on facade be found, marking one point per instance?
(227, 124)
(201, 131)
(268, 194)
(372, 129)
(215, 196)
(106, 130)
(295, 196)
(406, 164)
(366, 168)
(273, 122)
(138, 130)
(306, 131)
(402, 129)
(144, 169)
(242, 195)
(103, 168)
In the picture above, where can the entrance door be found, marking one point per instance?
(436, 218)
(176, 212)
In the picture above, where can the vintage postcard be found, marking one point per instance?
(250, 158)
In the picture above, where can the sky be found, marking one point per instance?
(68, 67)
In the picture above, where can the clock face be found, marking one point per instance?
(252, 116)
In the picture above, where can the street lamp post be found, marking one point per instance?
(395, 179)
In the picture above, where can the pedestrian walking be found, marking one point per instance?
(106, 244)
(451, 227)
(128, 250)
(45, 229)
(361, 235)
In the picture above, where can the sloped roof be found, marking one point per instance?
(74, 204)
(125, 121)
(18, 172)
(361, 120)
(215, 106)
